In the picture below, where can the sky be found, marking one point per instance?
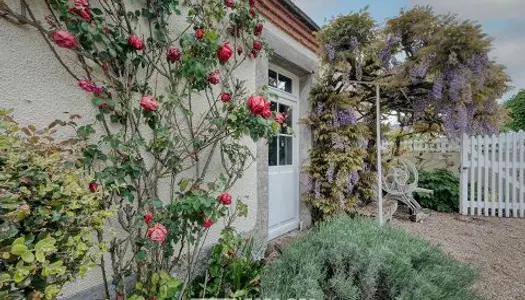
(504, 20)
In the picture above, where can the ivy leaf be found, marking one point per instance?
(28, 257)
(18, 249)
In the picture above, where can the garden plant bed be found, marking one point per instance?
(495, 246)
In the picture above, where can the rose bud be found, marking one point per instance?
(173, 54)
(214, 78)
(148, 217)
(93, 186)
(226, 97)
(207, 222)
(199, 33)
(229, 3)
(280, 118)
(135, 42)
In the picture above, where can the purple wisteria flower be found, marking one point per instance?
(385, 55)
(330, 52)
(320, 108)
(437, 88)
(347, 117)
(330, 174)
(317, 189)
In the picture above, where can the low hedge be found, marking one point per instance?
(356, 259)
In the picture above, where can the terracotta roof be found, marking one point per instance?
(292, 20)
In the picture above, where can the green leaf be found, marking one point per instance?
(4, 277)
(51, 291)
(40, 257)
(28, 257)
(18, 249)
(19, 241)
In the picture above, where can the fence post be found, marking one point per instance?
(463, 179)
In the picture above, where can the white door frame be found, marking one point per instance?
(291, 99)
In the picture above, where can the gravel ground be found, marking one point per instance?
(495, 246)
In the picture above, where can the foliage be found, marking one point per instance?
(445, 187)
(232, 271)
(170, 117)
(516, 107)
(47, 213)
(339, 176)
(348, 258)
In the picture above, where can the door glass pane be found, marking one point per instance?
(285, 83)
(285, 150)
(272, 152)
(272, 79)
(286, 128)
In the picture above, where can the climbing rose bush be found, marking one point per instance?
(170, 115)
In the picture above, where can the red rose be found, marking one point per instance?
(214, 78)
(64, 39)
(254, 53)
(257, 45)
(253, 12)
(208, 222)
(81, 3)
(225, 198)
(157, 233)
(148, 217)
(280, 118)
(239, 50)
(224, 52)
(258, 105)
(148, 103)
(104, 105)
(199, 33)
(258, 29)
(173, 54)
(93, 186)
(81, 11)
(252, 3)
(135, 42)
(226, 97)
(229, 3)
(87, 85)
(267, 113)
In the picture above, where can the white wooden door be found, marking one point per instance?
(283, 214)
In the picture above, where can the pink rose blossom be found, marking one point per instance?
(224, 52)
(157, 233)
(225, 198)
(64, 39)
(87, 85)
(81, 11)
(148, 103)
(199, 33)
(280, 118)
(229, 3)
(81, 3)
(259, 106)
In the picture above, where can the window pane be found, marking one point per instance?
(285, 83)
(272, 152)
(285, 150)
(287, 126)
(272, 78)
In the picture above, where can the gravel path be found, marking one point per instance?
(495, 246)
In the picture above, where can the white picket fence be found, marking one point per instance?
(492, 175)
(440, 145)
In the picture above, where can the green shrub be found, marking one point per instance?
(47, 213)
(445, 185)
(232, 270)
(348, 258)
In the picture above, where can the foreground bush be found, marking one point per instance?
(48, 212)
(356, 259)
(445, 185)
